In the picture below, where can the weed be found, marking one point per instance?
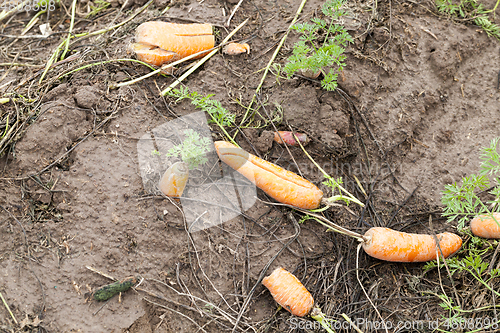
(311, 55)
(471, 10)
(99, 6)
(462, 201)
(219, 115)
(192, 150)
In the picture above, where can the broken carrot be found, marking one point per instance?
(280, 184)
(153, 55)
(236, 48)
(174, 180)
(180, 39)
(289, 139)
(289, 292)
(391, 245)
(486, 225)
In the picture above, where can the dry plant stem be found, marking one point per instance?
(100, 273)
(441, 255)
(195, 251)
(89, 34)
(327, 201)
(364, 291)
(156, 71)
(234, 11)
(223, 313)
(335, 227)
(176, 312)
(71, 25)
(32, 22)
(8, 309)
(276, 130)
(264, 270)
(202, 61)
(319, 316)
(356, 328)
(275, 54)
(4, 14)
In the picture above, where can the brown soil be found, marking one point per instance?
(421, 98)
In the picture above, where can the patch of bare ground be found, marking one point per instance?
(417, 99)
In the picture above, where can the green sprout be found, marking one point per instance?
(311, 55)
(219, 115)
(192, 150)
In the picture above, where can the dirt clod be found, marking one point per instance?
(86, 97)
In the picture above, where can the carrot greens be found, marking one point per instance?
(462, 201)
(192, 150)
(219, 115)
(316, 51)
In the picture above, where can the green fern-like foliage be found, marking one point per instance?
(472, 10)
(322, 44)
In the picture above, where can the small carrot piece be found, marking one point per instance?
(289, 292)
(174, 180)
(289, 139)
(183, 39)
(280, 184)
(153, 55)
(485, 226)
(236, 48)
(391, 245)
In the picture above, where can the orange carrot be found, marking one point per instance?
(174, 180)
(289, 292)
(182, 39)
(280, 184)
(289, 139)
(485, 226)
(235, 48)
(153, 55)
(391, 245)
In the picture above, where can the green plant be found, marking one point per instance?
(213, 107)
(99, 6)
(192, 150)
(462, 201)
(470, 10)
(321, 45)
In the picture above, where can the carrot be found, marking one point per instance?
(289, 292)
(235, 48)
(174, 180)
(152, 54)
(182, 39)
(486, 226)
(280, 184)
(289, 139)
(391, 245)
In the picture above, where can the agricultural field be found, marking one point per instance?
(400, 102)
